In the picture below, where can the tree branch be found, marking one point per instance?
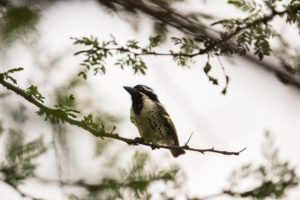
(169, 16)
(103, 134)
(218, 42)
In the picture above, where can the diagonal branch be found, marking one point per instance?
(103, 134)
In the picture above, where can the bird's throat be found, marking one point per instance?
(137, 103)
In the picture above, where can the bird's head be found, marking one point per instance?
(138, 91)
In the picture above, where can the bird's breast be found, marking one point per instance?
(148, 121)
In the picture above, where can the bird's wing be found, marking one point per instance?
(168, 123)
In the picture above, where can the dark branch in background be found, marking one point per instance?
(161, 12)
(205, 50)
(102, 133)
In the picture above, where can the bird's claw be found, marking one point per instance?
(153, 147)
(138, 140)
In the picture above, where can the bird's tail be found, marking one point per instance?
(177, 152)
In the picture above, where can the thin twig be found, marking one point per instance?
(96, 133)
(187, 142)
(225, 75)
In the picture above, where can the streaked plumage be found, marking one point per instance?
(151, 118)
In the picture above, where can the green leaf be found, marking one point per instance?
(6, 75)
(83, 74)
(19, 156)
(15, 70)
(155, 40)
(213, 80)
(17, 22)
(244, 5)
(133, 44)
(224, 91)
(34, 92)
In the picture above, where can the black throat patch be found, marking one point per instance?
(137, 103)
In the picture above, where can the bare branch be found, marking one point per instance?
(187, 142)
(102, 134)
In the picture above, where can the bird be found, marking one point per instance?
(151, 118)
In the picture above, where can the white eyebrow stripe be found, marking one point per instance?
(147, 88)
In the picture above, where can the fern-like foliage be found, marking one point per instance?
(19, 165)
(34, 92)
(7, 75)
(273, 178)
(133, 181)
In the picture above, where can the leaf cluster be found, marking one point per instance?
(98, 126)
(133, 181)
(253, 31)
(275, 177)
(130, 55)
(206, 70)
(64, 109)
(187, 46)
(98, 53)
(67, 106)
(244, 5)
(34, 92)
(293, 15)
(95, 55)
(7, 75)
(17, 21)
(19, 165)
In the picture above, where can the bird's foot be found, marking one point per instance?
(138, 140)
(154, 146)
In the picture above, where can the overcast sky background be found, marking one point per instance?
(256, 101)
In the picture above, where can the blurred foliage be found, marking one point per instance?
(16, 22)
(19, 114)
(273, 178)
(161, 12)
(133, 181)
(18, 165)
(288, 56)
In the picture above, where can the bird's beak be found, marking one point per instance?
(130, 90)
